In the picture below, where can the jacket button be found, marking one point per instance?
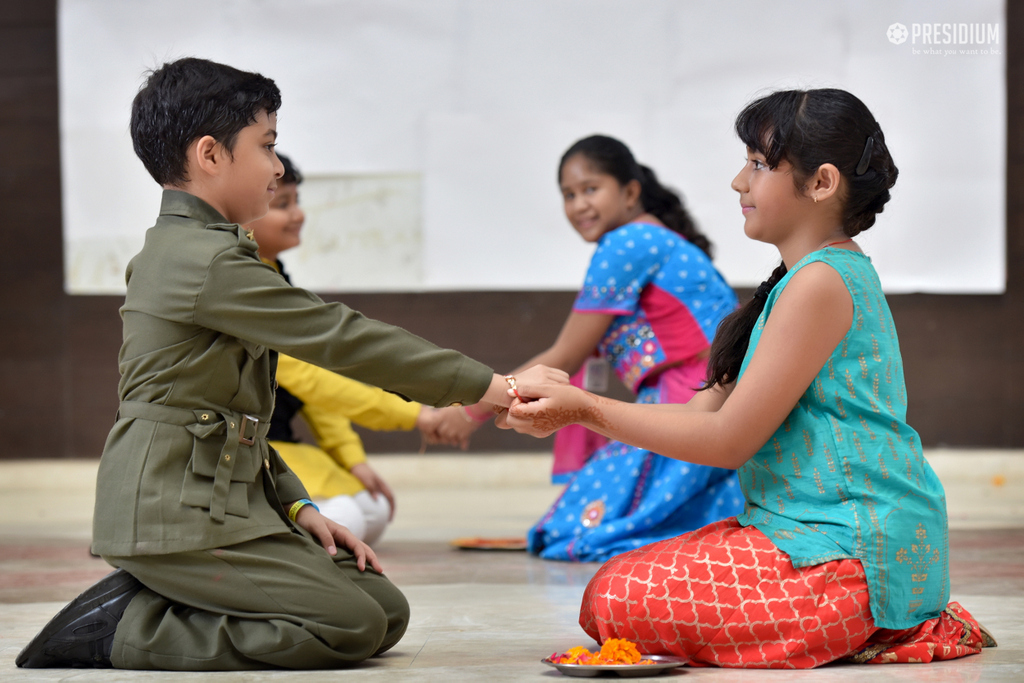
(205, 416)
(227, 457)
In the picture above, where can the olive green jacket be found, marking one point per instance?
(186, 465)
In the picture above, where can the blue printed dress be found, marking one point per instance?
(667, 299)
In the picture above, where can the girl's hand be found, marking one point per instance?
(499, 392)
(374, 484)
(329, 532)
(546, 408)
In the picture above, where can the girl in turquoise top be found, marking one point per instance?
(841, 550)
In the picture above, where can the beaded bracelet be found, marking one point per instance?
(293, 511)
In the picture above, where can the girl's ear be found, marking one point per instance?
(824, 183)
(632, 191)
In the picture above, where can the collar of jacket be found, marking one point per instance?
(191, 207)
(178, 203)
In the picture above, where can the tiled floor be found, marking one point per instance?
(491, 616)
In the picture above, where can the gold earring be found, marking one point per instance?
(815, 199)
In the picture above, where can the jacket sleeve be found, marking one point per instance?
(242, 297)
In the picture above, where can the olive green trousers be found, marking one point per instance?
(277, 601)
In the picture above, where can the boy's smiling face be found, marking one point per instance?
(249, 180)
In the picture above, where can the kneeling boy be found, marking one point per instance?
(222, 557)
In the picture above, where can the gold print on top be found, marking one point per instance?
(864, 424)
(895, 426)
(829, 459)
(920, 557)
(849, 384)
(860, 449)
(875, 356)
(863, 366)
(817, 481)
(839, 406)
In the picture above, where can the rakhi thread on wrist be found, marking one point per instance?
(512, 385)
(469, 416)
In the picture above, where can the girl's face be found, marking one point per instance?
(279, 230)
(771, 205)
(595, 202)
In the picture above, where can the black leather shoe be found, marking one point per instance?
(82, 634)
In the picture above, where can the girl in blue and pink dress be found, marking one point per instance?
(649, 306)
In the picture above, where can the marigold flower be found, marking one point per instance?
(614, 651)
(620, 651)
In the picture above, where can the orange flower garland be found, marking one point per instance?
(614, 651)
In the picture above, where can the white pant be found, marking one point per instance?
(364, 516)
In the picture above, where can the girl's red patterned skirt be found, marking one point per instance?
(724, 595)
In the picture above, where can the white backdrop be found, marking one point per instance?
(475, 100)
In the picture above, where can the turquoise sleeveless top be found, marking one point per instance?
(844, 476)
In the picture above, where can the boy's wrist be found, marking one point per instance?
(293, 509)
(497, 392)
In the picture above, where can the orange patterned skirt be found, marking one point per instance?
(724, 595)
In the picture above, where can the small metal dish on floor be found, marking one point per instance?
(661, 664)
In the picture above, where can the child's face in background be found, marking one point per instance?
(279, 230)
(248, 186)
(595, 202)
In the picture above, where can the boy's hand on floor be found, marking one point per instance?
(374, 484)
(329, 532)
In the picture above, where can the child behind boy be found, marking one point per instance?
(335, 470)
(218, 547)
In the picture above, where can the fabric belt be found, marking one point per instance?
(239, 427)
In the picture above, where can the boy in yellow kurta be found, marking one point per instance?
(334, 471)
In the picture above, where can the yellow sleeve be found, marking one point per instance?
(334, 434)
(365, 405)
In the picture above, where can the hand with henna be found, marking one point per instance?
(546, 408)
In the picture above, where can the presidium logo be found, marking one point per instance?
(947, 39)
(897, 34)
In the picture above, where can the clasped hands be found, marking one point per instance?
(544, 394)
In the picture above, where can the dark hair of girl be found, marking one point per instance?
(612, 157)
(807, 128)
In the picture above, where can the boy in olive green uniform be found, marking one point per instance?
(212, 533)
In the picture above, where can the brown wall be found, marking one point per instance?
(58, 354)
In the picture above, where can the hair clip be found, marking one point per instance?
(865, 158)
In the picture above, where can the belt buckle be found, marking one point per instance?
(242, 439)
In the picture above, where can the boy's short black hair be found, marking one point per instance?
(291, 173)
(187, 99)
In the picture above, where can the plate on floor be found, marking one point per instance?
(662, 663)
(478, 543)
